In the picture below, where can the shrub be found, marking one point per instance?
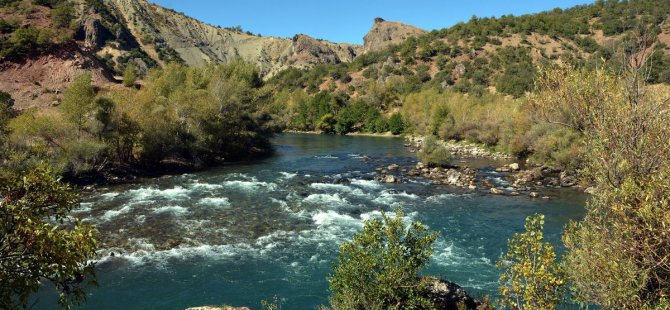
(62, 14)
(379, 268)
(129, 76)
(531, 277)
(433, 152)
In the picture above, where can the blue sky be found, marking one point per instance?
(348, 20)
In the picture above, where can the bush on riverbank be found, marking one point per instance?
(191, 115)
(617, 256)
(433, 152)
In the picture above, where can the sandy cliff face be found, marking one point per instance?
(161, 30)
(385, 33)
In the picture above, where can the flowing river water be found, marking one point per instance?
(242, 233)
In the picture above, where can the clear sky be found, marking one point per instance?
(349, 20)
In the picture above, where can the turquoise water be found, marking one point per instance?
(242, 233)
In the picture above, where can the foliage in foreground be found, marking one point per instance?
(619, 254)
(531, 277)
(39, 243)
(379, 269)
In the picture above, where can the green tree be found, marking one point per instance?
(78, 101)
(531, 277)
(39, 243)
(396, 124)
(327, 124)
(62, 14)
(129, 76)
(379, 269)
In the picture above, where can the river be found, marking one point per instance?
(241, 233)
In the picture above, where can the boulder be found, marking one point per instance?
(514, 167)
(534, 195)
(449, 295)
(503, 169)
(393, 167)
(567, 180)
(343, 181)
(390, 179)
(496, 191)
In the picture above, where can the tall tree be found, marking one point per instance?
(78, 101)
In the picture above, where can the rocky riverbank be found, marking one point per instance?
(514, 179)
(459, 149)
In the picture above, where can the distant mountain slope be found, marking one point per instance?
(166, 33)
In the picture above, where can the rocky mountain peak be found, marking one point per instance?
(385, 33)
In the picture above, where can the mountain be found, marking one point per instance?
(164, 33)
(43, 47)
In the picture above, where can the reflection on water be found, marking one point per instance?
(242, 233)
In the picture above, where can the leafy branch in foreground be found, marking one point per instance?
(379, 269)
(39, 243)
(531, 278)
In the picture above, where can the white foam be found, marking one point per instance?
(176, 210)
(443, 197)
(111, 214)
(287, 175)
(110, 195)
(249, 186)
(222, 202)
(282, 204)
(143, 194)
(330, 218)
(370, 184)
(326, 157)
(330, 187)
(206, 186)
(143, 253)
(388, 198)
(83, 207)
(326, 200)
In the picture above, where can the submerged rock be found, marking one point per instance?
(514, 167)
(390, 179)
(496, 191)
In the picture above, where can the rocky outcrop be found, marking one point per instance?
(448, 295)
(463, 177)
(384, 33)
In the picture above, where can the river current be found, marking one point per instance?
(242, 233)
